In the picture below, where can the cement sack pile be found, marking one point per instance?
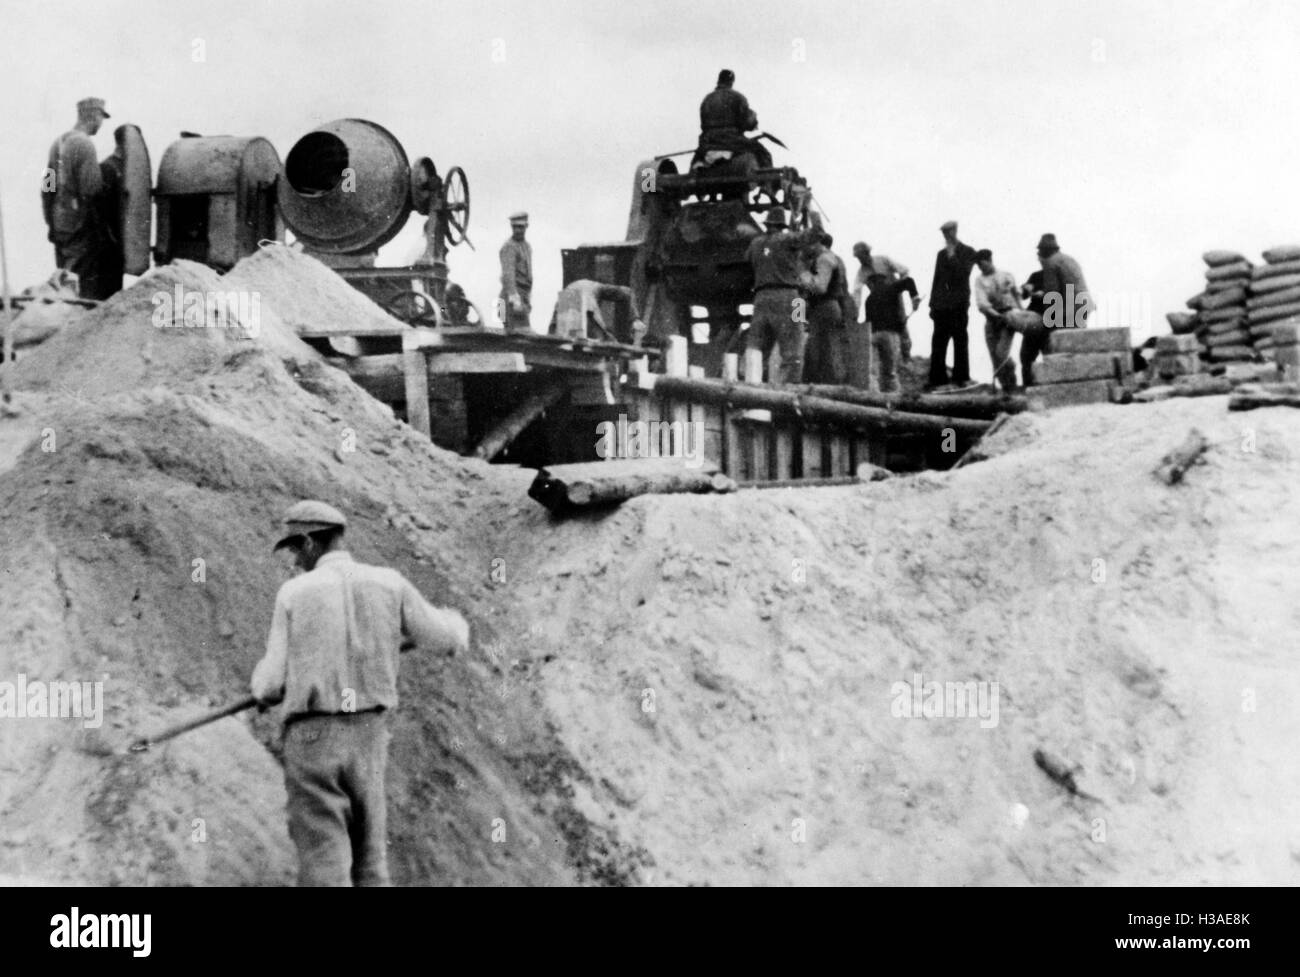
(1221, 308)
(1275, 301)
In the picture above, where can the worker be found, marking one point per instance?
(996, 294)
(825, 282)
(578, 313)
(332, 660)
(950, 309)
(880, 264)
(517, 277)
(112, 172)
(725, 117)
(1033, 340)
(460, 311)
(884, 311)
(779, 309)
(1067, 303)
(70, 186)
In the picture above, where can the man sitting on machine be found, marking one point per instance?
(725, 117)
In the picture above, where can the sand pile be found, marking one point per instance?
(136, 552)
(305, 293)
(685, 690)
(724, 667)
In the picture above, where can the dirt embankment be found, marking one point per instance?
(686, 690)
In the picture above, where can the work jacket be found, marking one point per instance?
(335, 636)
(516, 269)
(68, 208)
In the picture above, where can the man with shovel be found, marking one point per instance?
(331, 658)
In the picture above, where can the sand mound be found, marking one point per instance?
(305, 293)
(688, 689)
(178, 323)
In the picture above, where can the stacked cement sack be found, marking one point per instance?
(1222, 310)
(1083, 366)
(1274, 304)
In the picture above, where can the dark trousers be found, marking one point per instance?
(1032, 342)
(86, 256)
(774, 323)
(826, 357)
(334, 776)
(949, 324)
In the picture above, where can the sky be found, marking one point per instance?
(1140, 133)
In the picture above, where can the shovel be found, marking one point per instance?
(142, 743)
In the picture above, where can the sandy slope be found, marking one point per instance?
(659, 694)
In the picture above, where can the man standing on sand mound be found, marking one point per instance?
(331, 658)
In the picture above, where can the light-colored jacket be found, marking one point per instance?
(336, 633)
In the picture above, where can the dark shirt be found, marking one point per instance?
(884, 308)
(951, 288)
(775, 258)
(724, 108)
(1032, 290)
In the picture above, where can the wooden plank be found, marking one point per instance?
(731, 366)
(785, 437)
(839, 455)
(415, 377)
(733, 435)
(759, 454)
(753, 366)
(443, 362)
(811, 452)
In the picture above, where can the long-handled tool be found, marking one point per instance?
(142, 743)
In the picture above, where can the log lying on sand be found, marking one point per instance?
(513, 423)
(601, 483)
(1250, 396)
(1174, 465)
(958, 404)
(813, 409)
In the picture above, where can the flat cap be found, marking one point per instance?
(948, 226)
(87, 104)
(776, 218)
(519, 217)
(309, 516)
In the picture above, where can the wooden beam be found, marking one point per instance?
(814, 409)
(961, 405)
(445, 362)
(415, 377)
(513, 423)
(599, 483)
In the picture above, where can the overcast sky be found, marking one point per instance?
(1140, 133)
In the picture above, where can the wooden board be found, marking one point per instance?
(136, 202)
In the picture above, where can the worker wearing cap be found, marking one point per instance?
(331, 659)
(69, 189)
(996, 294)
(950, 309)
(780, 311)
(517, 277)
(1066, 301)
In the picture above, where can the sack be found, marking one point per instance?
(1284, 297)
(1220, 300)
(1282, 252)
(1238, 269)
(1237, 337)
(1222, 315)
(1223, 284)
(1182, 322)
(1276, 283)
(1221, 257)
(1282, 268)
(1271, 313)
(1022, 320)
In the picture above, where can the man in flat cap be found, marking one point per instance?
(996, 294)
(950, 309)
(517, 276)
(332, 660)
(69, 189)
(725, 117)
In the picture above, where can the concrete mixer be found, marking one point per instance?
(348, 189)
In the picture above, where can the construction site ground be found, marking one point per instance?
(684, 690)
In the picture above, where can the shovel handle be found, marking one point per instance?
(144, 742)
